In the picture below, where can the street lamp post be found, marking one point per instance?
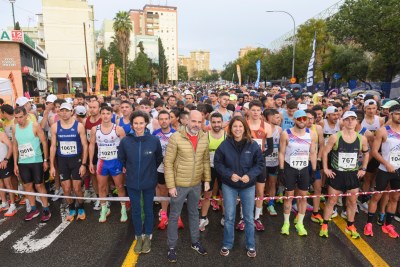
(12, 6)
(294, 34)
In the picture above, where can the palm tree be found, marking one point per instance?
(122, 27)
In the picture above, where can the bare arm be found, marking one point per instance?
(282, 149)
(313, 151)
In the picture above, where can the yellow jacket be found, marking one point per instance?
(183, 166)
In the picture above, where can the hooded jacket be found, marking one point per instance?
(229, 159)
(141, 156)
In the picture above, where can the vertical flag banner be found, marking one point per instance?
(310, 71)
(88, 86)
(258, 65)
(239, 74)
(98, 75)
(111, 78)
(14, 88)
(119, 78)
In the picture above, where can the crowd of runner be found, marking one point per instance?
(191, 143)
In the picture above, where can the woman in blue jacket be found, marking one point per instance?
(141, 154)
(239, 161)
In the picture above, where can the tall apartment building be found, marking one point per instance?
(197, 61)
(62, 30)
(160, 22)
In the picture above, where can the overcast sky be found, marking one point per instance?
(219, 26)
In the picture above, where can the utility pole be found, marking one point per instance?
(87, 60)
(12, 6)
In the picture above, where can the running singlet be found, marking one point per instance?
(126, 126)
(7, 125)
(371, 127)
(298, 150)
(391, 149)
(225, 117)
(328, 131)
(259, 136)
(272, 160)
(287, 122)
(28, 145)
(68, 141)
(164, 138)
(107, 143)
(89, 125)
(345, 155)
(3, 151)
(213, 145)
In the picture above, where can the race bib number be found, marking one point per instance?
(26, 151)
(68, 148)
(348, 160)
(212, 154)
(299, 162)
(259, 143)
(272, 159)
(108, 152)
(394, 159)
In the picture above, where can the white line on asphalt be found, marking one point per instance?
(6, 234)
(28, 244)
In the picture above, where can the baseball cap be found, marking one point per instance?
(233, 97)
(395, 108)
(390, 104)
(302, 106)
(22, 101)
(69, 100)
(331, 110)
(299, 114)
(66, 106)
(278, 96)
(349, 114)
(80, 110)
(369, 102)
(246, 105)
(51, 98)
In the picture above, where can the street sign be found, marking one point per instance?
(292, 80)
(336, 76)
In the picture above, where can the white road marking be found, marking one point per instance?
(6, 234)
(28, 244)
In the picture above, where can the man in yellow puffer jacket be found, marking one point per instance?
(186, 165)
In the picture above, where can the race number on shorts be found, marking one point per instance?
(299, 162)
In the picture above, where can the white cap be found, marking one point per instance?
(66, 106)
(22, 101)
(302, 106)
(246, 105)
(51, 98)
(331, 110)
(369, 102)
(187, 92)
(69, 100)
(80, 110)
(349, 114)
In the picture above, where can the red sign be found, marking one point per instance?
(25, 70)
(17, 36)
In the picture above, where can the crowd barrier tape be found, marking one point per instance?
(158, 199)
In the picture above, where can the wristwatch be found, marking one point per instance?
(45, 160)
(363, 169)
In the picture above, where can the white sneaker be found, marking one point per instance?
(203, 223)
(339, 202)
(28, 206)
(343, 214)
(87, 194)
(38, 199)
(11, 211)
(57, 193)
(97, 205)
(223, 221)
(334, 213)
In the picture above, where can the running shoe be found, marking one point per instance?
(171, 256)
(251, 253)
(339, 202)
(198, 247)
(4, 206)
(322, 199)
(397, 216)
(28, 206)
(271, 210)
(368, 230)
(334, 213)
(32, 214)
(285, 229)
(240, 225)
(389, 229)
(57, 194)
(301, 231)
(309, 207)
(87, 195)
(81, 215)
(280, 200)
(381, 219)
(97, 205)
(146, 247)
(223, 220)
(317, 218)
(11, 211)
(46, 215)
(139, 245)
(124, 216)
(363, 206)
(22, 201)
(71, 215)
(224, 252)
(203, 223)
(352, 231)
(104, 213)
(214, 204)
(38, 199)
(343, 214)
(258, 225)
(324, 230)
(163, 220)
(180, 223)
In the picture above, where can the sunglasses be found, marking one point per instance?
(302, 119)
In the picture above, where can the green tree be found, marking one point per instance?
(122, 27)
(183, 73)
(17, 26)
(373, 24)
(162, 63)
(141, 67)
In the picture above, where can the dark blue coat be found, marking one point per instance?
(229, 160)
(141, 156)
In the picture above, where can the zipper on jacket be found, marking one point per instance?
(140, 152)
